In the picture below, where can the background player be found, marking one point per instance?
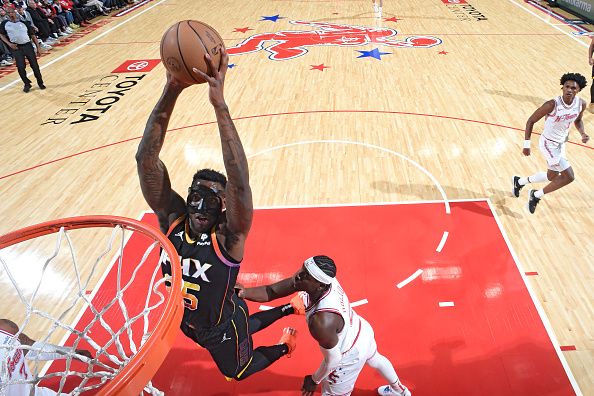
(377, 8)
(591, 62)
(346, 340)
(559, 113)
(13, 366)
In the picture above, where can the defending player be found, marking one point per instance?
(14, 367)
(346, 340)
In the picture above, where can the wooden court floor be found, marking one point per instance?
(334, 125)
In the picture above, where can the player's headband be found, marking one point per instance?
(316, 272)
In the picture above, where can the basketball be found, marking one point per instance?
(183, 47)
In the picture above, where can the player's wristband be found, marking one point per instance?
(526, 144)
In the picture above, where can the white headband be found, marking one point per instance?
(316, 272)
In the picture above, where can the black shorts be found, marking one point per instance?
(229, 343)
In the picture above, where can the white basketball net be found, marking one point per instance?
(136, 301)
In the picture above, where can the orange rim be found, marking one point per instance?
(144, 364)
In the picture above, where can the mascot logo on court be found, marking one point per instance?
(290, 44)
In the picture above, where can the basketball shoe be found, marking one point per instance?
(387, 390)
(289, 338)
(532, 201)
(516, 186)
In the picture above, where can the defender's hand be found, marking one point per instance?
(239, 290)
(84, 353)
(309, 386)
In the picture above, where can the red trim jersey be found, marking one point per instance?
(558, 122)
(335, 300)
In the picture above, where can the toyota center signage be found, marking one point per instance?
(90, 103)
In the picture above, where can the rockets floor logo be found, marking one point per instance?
(290, 44)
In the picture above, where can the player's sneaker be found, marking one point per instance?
(532, 201)
(389, 391)
(298, 305)
(289, 338)
(516, 186)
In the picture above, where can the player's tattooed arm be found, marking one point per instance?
(154, 178)
(238, 194)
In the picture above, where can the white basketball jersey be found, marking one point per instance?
(558, 122)
(335, 300)
(13, 366)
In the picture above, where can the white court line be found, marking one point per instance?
(446, 304)
(383, 203)
(539, 309)
(549, 23)
(129, 10)
(410, 279)
(368, 145)
(443, 241)
(353, 304)
(360, 302)
(84, 44)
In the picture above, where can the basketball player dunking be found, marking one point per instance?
(559, 113)
(209, 230)
(346, 340)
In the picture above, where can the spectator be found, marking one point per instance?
(47, 31)
(96, 4)
(77, 14)
(24, 16)
(50, 12)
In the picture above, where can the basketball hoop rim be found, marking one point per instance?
(144, 364)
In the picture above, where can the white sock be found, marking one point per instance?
(539, 194)
(397, 386)
(536, 178)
